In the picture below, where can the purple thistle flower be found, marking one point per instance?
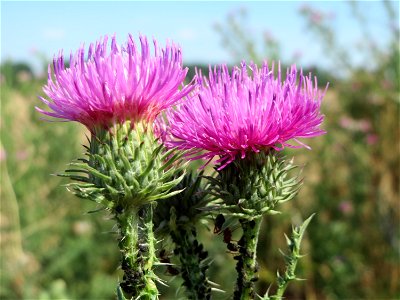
(111, 87)
(235, 114)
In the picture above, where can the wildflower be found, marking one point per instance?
(124, 84)
(346, 207)
(240, 113)
(245, 118)
(362, 125)
(117, 93)
(372, 139)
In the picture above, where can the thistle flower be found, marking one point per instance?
(111, 87)
(235, 114)
(245, 118)
(117, 93)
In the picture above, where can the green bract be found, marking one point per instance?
(127, 168)
(254, 186)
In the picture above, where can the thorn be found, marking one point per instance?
(300, 279)
(288, 240)
(213, 283)
(217, 290)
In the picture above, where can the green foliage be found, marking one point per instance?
(360, 203)
(15, 73)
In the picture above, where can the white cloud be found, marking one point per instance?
(187, 34)
(53, 33)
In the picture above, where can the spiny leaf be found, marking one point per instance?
(92, 171)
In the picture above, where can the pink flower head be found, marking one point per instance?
(112, 86)
(234, 114)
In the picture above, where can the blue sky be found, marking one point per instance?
(48, 27)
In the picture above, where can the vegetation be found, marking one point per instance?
(51, 250)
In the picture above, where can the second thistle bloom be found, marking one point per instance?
(109, 86)
(244, 118)
(249, 110)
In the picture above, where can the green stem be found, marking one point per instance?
(193, 266)
(138, 253)
(291, 259)
(247, 266)
(281, 290)
(151, 240)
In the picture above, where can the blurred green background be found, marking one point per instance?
(51, 249)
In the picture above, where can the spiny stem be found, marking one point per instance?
(128, 224)
(138, 253)
(247, 266)
(193, 266)
(291, 259)
(148, 219)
